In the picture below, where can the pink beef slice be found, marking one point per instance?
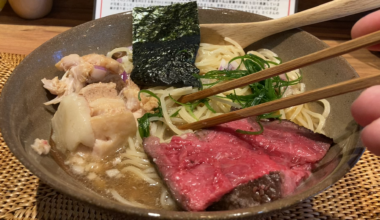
(200, 168)
(284, 141)
(259, 191)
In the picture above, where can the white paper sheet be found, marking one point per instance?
(269, 8)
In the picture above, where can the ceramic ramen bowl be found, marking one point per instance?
(23, 117)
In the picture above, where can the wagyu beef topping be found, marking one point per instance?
(220, 165)
(284, 141)
(259, 191)
(199, 171)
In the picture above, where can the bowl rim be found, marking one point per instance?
(120, 208)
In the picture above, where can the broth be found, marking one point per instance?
(127, 184)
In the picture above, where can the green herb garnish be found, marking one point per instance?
(258, 118)
(144, 122)
(175, 113)
(252, 132)
(264, 91)
(190, 106)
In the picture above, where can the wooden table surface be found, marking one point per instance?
(23, 39)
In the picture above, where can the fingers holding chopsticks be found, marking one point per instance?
(366, 25)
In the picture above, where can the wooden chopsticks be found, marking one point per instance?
(328, 91)
(327, 53)
(325, 92)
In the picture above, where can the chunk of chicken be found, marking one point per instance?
(41, 146)
(112, 132)
(133, 104)
(73, 81)
(54, 86)
(80, 71)
(80, 74)
(107, 106)
(99, 90)
(71, 124)
(131, 93)
(148, 103)
(102, 98)
(111, 122)
(113, 78)
(68, 61)
(105, 132)
(103, 61)
(57, 87)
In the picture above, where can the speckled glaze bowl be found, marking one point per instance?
(23, 117)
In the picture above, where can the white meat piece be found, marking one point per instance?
(111, 122)
(77, 169)
(99, 90)
(72, 124)
(54, 86)
(133, 104)
(107, 106)
(138, 114)
(131, 93)
(65, 82)
(103, 99)
(97, 75)
(91, 176)
(112, 132)
(41, 146)
(79, 72)
(103, 61)
(72, 82)
(116, 161)
(148, 103)
(77, 160)
(68, 61)
(112, 173)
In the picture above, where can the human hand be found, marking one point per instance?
(366, 25)
(366, 108)
(366, 111)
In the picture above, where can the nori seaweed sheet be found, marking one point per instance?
(165, 43)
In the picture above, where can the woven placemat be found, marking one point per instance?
(24, 196)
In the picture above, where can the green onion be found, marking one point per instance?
(258, 118)
(264, 91)
(209, 106)
(188, 107)
(191, 106)
(175, 113)
(150, 93)
(144, 123)
(252, 132)
(279, 59)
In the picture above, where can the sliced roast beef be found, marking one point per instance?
(200, 168)
(284, 141)
(262, 190)
(221, 169)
